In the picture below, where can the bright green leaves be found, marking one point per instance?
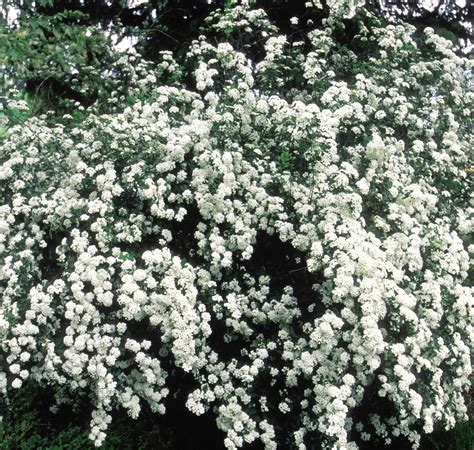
(54, 57)
(285, 160)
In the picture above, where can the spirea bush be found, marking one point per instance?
(292, 232)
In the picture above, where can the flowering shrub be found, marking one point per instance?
(292, 232)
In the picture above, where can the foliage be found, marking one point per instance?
(273, 228)
(28, 425)
(451, 16)
(62, 51)
(459, 438)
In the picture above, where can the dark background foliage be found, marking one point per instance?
(52, 54)
(28, 425)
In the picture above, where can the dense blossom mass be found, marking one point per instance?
(293, 232)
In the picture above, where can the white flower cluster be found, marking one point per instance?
(292, 254)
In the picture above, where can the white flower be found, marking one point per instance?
(17, 383)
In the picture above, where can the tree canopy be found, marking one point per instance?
(56, 50)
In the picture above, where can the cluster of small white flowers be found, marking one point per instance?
(243, 18)
(337, 8)
(154, 218)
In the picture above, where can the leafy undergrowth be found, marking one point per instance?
(459, 438)
(27, 424)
